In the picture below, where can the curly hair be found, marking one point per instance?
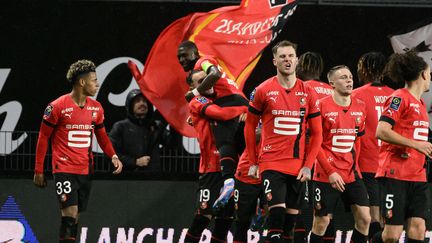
(310, 66)
(405, 67)
(79, 68)
(370, 67)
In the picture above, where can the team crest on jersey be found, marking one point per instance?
(47, 112)
(389, 214)
(358, 120)
(202, 100)
(302, 101)
(94, 115)
(395, 103)
(318, 206)
(252, 95)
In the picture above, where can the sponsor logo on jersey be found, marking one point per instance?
(272, 93)
(93, 108)
(395, 103)
(331, 114)
(79, 126)
(47, 112)
(66, 110)
(356, 113)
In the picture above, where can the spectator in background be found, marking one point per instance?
(136, 138)
(309, 69)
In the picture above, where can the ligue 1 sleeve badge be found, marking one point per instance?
(47, 112)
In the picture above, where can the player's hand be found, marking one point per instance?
(424, 148)
(143, 161)
(253, 171)
(189, 96)
(117, 164)
(242, 117)
(304, 174)
(39, 180)
(189, 121)
(337, 182)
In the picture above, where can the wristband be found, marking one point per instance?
(195, 92)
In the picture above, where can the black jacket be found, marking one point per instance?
(133, 138)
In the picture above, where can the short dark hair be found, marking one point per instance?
(310, 66)
(405, 67)
(370, 67)
(334, 69)
(189, 45)
(283, 43)
(79, 68)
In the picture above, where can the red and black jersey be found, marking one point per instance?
(203, 111)
(284, 114)
(374, 95)
(321, 89)
(71, 130)
(409, 118)
(243, 169)
(341, 127)
(209, 159)
(224, 86)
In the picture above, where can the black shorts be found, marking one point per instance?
(281, 188)
(326, 197)
(400, 200)
(246, 198)
(372, 188)
(225, 131)
(209, 188)
(72, 189)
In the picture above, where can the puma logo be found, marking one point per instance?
(333, 119)
(274, 99)
(68, 115)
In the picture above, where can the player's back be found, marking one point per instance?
(321, 89)
(73, 132)
(209, 159)
(374, 95)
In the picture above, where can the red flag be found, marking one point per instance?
(235, 35)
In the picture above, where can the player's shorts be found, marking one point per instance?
(246, 197)
(326, 197)
(225, 131)
(281, 188)
(72, 189)
(400, 200)
(372, 188)
(209, 186)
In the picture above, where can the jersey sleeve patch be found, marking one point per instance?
(202, 100)
(395, 103)
(252, 95)
(48, 111)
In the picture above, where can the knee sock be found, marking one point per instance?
(374, 227)
(275, 221)
(316, 238)
(330, 233)
(290, 220)
(199, 223)
(221, 228)
(358, 237)
(300, 234)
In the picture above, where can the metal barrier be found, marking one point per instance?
(176, 162)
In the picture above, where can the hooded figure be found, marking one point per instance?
(135, 138)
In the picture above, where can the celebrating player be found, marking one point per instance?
(70, 122)
(336, 174)
(403, 129)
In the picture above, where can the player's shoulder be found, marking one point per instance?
(326, 100)
(204, 59)
(359, 102)
(269, 83)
